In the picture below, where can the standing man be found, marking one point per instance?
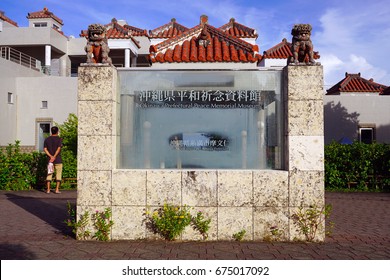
(52, 147)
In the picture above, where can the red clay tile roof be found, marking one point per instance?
(122, 31)
(7, 19)
(168, 30)
(117, 31)
(45, 13)
(204, 43)
(282, 51)
(236, 29)
(355, 83)
(135, 31)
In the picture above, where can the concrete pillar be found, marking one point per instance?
(127, 58)
(97, 136)
(63, 66)
(134, 61)
(47, 55)
(304, 140)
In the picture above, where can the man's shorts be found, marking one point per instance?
(57, 171)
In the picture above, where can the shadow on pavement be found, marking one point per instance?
(53, 211)
(15, 252)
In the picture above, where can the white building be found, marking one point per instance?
(38, 75)
(357, 109)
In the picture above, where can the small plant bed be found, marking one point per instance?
(101, 221)
(239, 236)
(170, 221)
(310, 221)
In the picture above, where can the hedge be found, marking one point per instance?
(357, 166)
(24, 171)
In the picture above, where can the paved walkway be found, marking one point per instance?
(32, 228)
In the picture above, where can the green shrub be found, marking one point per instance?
(238, 236)
(201, 224)
(68, 133)
(23, 171)
(78, 226)
(69, 161)
(103, 223)
(358, 166)
(309, 221)
(169, 221)
(18, 171)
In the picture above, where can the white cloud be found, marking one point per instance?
(335, 68)
(333, 65)
(368, 71)
(354, 42)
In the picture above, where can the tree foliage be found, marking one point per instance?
(68, 133)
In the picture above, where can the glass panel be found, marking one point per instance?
(201, 119)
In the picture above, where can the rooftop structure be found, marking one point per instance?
(354, 83)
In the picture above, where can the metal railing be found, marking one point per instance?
(20, 58)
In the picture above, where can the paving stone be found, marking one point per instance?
(33, 228)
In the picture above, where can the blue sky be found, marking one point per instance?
(351, 36)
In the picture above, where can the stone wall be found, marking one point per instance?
(254, 200)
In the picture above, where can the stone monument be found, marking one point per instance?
(254, 198)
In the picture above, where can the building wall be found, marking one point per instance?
(273, 62)
(9, 71)
(76, 46)
(5, 24)
(144, 43)
(27, 36)
(344, 113)
(49, 21)
(60, 94)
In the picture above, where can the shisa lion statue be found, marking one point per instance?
(302, 47)
(97, 48)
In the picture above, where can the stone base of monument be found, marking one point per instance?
(257, 201)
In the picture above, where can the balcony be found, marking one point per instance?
(20, 58)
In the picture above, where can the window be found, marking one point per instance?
(10, 98)
(44, 105)
(40, 24)
(367, 134)
(43, 133)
